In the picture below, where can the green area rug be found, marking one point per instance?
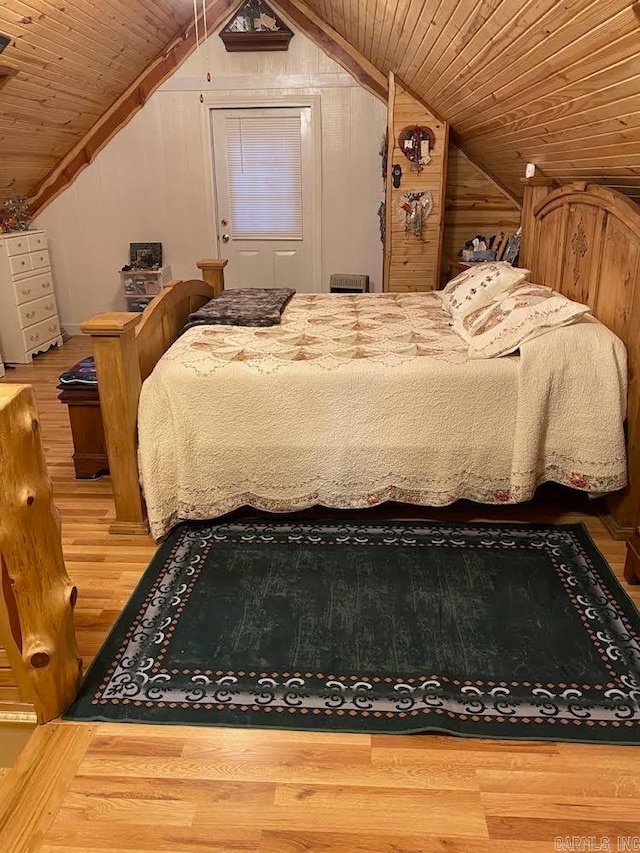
(507, 631)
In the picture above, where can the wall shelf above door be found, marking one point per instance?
(256, 27)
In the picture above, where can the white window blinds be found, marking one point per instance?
(264, 160)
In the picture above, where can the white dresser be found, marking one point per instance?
(29, 321)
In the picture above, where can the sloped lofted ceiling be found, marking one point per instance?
(73, 58)
(554, 82)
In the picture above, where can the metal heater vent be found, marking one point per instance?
(348, 283)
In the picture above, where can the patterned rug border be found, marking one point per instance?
(548, 728)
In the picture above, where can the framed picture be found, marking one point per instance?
(145, 255)
(513, 249)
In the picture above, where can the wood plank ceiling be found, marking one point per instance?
(74, 58)
(554, 82)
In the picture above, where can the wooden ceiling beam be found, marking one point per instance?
(126, 106)
(335, 46)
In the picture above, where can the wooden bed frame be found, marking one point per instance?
(582, 239)
(126, 348)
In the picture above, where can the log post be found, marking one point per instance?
(213, 273)
(37, 596)
(119, 380)
(535, 190)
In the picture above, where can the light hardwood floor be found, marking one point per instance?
(125, 788)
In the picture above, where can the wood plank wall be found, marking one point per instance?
(474, 205)
(411, 263)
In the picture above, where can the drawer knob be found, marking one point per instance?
(35, 337)
(31, 314)
(53, 328)
(26, 292)
(22, 263)
(48, 307)
(45, 285)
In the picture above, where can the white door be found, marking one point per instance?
(264, 183)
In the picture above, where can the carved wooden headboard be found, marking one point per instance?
(584, 240)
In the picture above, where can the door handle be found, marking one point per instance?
(225, 238)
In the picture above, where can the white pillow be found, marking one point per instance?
(523, 313)
(480, 285)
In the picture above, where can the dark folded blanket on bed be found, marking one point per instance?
(247, 306)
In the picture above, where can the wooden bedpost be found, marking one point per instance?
(126, 347)
(213, 273)
(37, 601)
(119, 380)
(535, 190)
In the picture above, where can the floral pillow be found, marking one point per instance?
(522, 313)
(479, 285)
(467, 326)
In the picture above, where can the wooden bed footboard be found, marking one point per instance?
(126, 348)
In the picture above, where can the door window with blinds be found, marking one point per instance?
(266, 184)
(264, 168)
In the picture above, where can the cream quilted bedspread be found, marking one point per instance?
(354, 400)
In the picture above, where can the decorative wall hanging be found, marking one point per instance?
(412, 209)
(382, 216)
(384, 153)
(417, 143)
(256, 27)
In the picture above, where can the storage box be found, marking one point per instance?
(475, 256)
(140, 286)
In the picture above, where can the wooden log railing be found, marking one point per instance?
(37, 600)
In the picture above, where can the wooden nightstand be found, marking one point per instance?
(456, 266)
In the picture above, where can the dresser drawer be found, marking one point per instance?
(37, 242)
(36, 335)
(17, 245)
(33, 287)
(20, 264)
(36, 311)
(40, 259)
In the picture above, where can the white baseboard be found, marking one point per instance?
(71, 329)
